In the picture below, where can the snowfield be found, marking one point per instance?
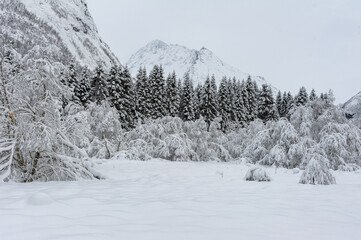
(182, 200)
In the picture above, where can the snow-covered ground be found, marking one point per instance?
(173, 200)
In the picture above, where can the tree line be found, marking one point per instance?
(151, 96)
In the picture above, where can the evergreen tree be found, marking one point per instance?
(126, 105)
(209, 101)
(240, 116)
(157, 108)
(172, 95)
(187, 103)
(99, 88)
(279, 104)
(267, 105)
(250, 99)
(142, 94)
(198, 92)
(231, 100)
(313, 95)
(82, 89)
(114, 86)
(290, 105)
(302, 97)
(284, 106)
(223, 107)
(72, 78)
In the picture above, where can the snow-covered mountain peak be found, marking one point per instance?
(197, 63)
(156, 44)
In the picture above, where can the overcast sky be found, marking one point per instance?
(314, 43)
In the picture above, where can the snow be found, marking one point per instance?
(72, 21)
(353, 106)
(199, 64)
(182, 200)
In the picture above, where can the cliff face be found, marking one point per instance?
(65, 26)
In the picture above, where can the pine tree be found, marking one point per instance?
(198, 92)
(157, 108)
(209, 101)
(114, 86)
(126, 105)
(240, 116)
(284, 106)
(251, 99)
(231, 100)
(302, 97)
(142, 94)
(187, 102)
(223, 107)
(82, 89)
(72, 78)
(313, 95)
(267, 105)
(279, 104)
(290, 104)
(99, 88)
(172, 95)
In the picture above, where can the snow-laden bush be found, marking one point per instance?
(317, 171)
(172, 139)
(257, 174)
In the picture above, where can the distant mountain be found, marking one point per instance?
(65, 26)
(199, 64)
(353, 106)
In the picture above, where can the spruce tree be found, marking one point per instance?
(279, 104)
(198, 92)
(142, 94)
(240, 117)
(223, 104)
(302, 97)
(209, 101)
(72, 75)
(313, 95)
(187, 103)
(99, 87)
(82, 89)
(290, 104)
(114, 86)
(251, 99)
(267, 106)
(284, 106)
(157, 108)
(126, 105)
(172, 95)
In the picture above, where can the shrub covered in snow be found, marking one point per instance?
(317, 171)
(257, 174)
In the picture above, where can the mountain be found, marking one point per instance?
(353, 106)
(199, 64)
(64, 26)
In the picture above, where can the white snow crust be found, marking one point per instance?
(182, 200)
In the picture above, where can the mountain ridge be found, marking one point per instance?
(197, 63)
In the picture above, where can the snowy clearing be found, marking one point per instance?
(177, 200)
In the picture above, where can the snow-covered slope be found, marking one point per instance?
(199, 64)
(66, 25)
(353, 106)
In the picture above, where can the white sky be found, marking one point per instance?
(315, 43)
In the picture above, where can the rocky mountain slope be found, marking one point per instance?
(65, 26)
(199, 64)
(353, 106)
